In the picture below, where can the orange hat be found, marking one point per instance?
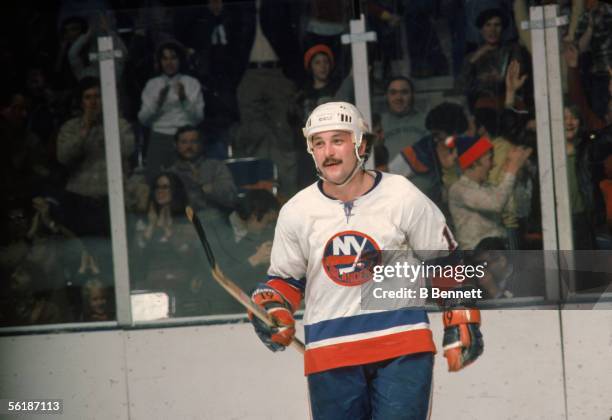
(316, 49)
(470, 149)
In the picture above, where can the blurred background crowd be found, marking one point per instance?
(212, 98)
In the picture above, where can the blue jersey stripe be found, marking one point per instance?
(363, 323)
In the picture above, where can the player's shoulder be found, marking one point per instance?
(301, 201)
(294, 213)
(399, 185)
(401, 192)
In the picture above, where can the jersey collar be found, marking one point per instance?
(377, 178)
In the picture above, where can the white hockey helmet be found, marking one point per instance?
(335, 116)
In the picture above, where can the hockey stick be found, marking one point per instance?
(228, 284)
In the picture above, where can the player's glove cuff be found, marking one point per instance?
(278, 337)
(463, 342)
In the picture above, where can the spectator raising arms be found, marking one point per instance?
(577, 96)
(475, 205)
(166, 244)
(169, 101)
(485, 69)
(87, 43)
(594, 34)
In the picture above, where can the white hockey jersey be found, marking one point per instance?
(319, 249)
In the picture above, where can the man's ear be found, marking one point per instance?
(365, 146)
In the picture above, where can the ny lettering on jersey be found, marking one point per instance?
(349, 258)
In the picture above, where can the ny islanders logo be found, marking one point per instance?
(349, 258)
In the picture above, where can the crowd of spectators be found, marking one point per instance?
(201, 82)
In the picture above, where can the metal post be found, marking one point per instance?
(555, 101)
(551, 151)
(555, 104)
(545, 164)
(361, 79)
(114, 173)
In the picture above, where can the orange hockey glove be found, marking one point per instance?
(279, 337)
(462, 337)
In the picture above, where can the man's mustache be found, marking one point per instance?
(331, 161)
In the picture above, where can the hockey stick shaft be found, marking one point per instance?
(229, 285)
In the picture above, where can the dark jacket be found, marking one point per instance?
(279, 21)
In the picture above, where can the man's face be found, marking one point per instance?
(90, 100)
(169, 62)
(491, 30)
(400, 97)
(188, 145)
(334, 154)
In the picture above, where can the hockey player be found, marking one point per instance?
(360, 364)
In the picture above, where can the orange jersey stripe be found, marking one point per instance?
(367, 351)
(293, 295)
(414, 162)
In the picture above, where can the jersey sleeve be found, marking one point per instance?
(288, 261)
(431, 239)
(425, 227)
